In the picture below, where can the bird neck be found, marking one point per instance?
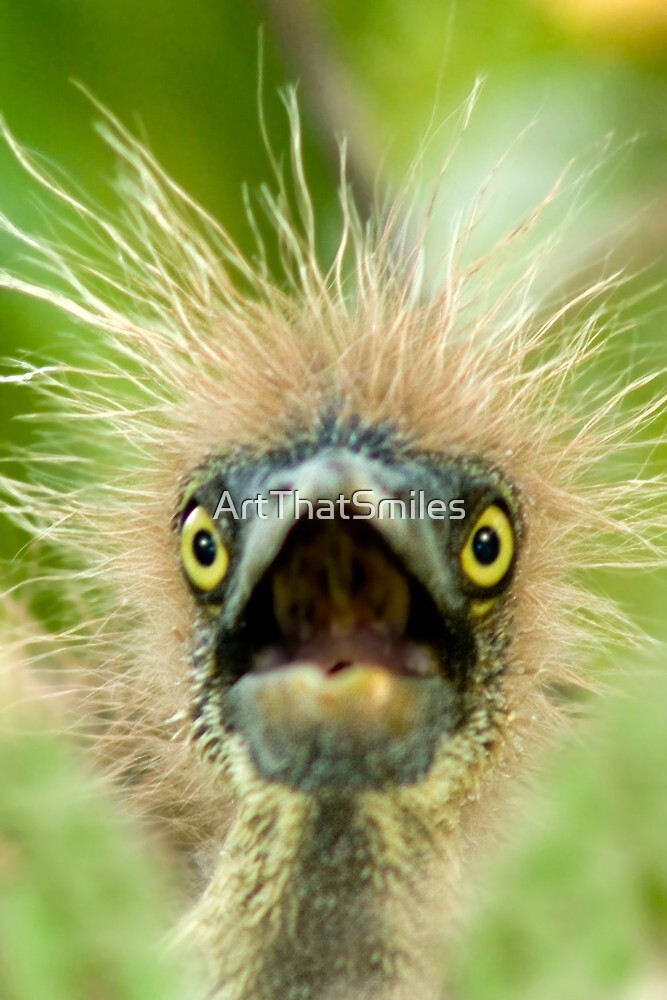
(327, 897)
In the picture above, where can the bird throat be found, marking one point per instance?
(347, 906)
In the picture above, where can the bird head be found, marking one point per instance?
(330, 535)
(352, 595)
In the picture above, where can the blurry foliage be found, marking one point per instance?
(577, 906)
(85, 902)
(588, 890)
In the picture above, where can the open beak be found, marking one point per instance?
(347, 647)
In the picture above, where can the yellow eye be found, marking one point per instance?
(487, 554)
(204, 556)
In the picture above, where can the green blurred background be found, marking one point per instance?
(185, 77)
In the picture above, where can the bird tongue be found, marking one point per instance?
(332, 651)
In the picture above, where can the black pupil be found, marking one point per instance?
(486, 546)
(204, 548)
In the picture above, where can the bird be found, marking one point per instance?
(320, 557)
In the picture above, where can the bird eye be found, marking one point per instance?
(205, 558)
(487, 553)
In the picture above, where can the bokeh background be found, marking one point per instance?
(582, 909)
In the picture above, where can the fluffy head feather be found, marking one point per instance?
(205, 356)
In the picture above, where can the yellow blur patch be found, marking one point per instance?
(631, 21)
(351, 702)
(480, 608)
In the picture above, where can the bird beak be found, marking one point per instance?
(329, 477)
(339, 681)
